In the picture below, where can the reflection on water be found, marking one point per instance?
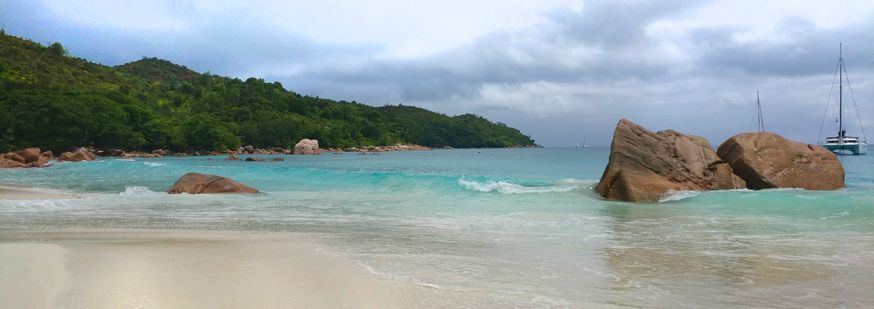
(669, 257)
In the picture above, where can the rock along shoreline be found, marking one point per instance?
(645, 165)
(32, 157)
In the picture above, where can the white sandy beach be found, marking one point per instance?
(173, 269)
(181, 269)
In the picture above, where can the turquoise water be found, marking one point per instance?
(503, 227)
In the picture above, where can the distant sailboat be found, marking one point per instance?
(583, 145)
(843, 144)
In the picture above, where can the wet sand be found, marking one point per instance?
(183, 269)
(19, 193)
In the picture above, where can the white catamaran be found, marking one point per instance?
(843, 144)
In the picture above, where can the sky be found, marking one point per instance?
(559, 70)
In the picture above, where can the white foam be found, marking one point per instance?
(136, 191)
(125, 160)
(672, 196)
(512, 188)
(153, 164)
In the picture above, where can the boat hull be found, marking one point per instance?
(847, 148)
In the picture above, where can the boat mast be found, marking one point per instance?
(760, 121)
(841, 95)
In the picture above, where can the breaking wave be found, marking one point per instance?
(673, 196)
(136, 191)
(504, 187)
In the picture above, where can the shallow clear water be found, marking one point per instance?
(508, 227)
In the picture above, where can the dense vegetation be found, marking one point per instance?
(54, 101)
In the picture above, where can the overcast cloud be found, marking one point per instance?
(558, 70)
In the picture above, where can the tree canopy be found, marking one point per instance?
(51, 100)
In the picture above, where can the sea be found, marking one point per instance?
(501, 227)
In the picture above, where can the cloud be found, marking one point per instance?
(556, 69)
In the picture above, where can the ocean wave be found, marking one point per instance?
(125, 160)
(153, 164)
(565, 185)
(136, 191)
(673, 196)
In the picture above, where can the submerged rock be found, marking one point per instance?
(80, 154)
(196, 183)
(307, 147)
(767, 160)
(644, 165)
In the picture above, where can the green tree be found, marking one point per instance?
(56, 49)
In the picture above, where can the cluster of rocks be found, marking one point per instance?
(33, 157)
(235, 157)
(30, 157)
(644, 165)
(311, 147)
(397, 147)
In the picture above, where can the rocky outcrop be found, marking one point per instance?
(767, 160)
(396, 147)
(13, 156)
(259, 159)
(162, 152)
(644, 165)
(233, 157)
(30, 154)
(80, 154)
(196, 183)
(112, 152)
(307, 147)
(6, 162)
(30, 157)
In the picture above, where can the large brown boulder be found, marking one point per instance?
(767, 160)
(644, 165)
(80, 154)
(30, 154)
(196, 183)
(307, 147)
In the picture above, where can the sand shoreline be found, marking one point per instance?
(184, 269)
(31, 193)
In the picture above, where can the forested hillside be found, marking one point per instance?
(55, 101)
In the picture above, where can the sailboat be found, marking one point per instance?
(843, 144)
(583, 145)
